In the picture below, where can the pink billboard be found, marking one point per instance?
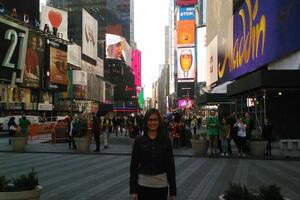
(185, 103)
(136, 66)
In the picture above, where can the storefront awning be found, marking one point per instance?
(265, 79)
(213, 99)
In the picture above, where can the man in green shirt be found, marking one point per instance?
(212, 124)
(24, 123)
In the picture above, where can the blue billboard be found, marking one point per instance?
(187, 13)
(263, 31)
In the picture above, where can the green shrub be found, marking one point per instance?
(21, 183)
(271, 192)
(241, 192)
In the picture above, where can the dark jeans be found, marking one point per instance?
(242, 144)
(268, 149)
(147, 193)
(97, 141)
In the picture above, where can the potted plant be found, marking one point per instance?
(18, 141)
(257, 144)
(23, 187)
(199, 143)
(82, 139)
(241, 192)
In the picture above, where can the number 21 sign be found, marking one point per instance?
(13, 43)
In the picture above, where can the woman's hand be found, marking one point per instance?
(134, 196)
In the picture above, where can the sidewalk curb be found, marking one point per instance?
(175, 155)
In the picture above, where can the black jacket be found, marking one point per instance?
(152, 157)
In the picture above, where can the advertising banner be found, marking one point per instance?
(117, 48)
(89, 35)
(58, 64)
(13, 40)
(185, 89)
(201, 55)
(186, 2)
(186, 33)
(56, 20)
(34, 61)
(186, 63)
(74, 55)
(187, 13)
(260, 36)
(185, 103)
(79, 77)
(136, 67)
(212, 61)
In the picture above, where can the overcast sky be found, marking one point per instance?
(150, 19)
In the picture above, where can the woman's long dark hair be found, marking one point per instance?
(161, 135)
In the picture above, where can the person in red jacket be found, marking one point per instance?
(152, 168)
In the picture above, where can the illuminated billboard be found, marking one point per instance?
(117, 48)
(185, 89)
(186, 63)
(201, 55)
(136, 67)
(185, 103)
(265, 35)
(186, 2)
(89, 35)
(185, 33)
(56, 20)
(186, 13)
(34, 60)
(57, 72)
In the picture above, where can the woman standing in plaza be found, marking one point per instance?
(152, 168)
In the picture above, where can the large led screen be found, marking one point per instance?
(117, 48)
(136, 67)
(185, 33)
(201, 55)
(185, 103)
(186, 13)
(58, 65)
(186, 63)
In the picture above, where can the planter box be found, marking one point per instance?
(257, 148)
(18, 143)
(221, 197)
(22, 195)
(290, 147)
(83, 144)
(199, 146)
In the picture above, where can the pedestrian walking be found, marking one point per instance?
(241, 136)
(212, 125)
(12, 128)
(267, 134)
(152, 168)
(24, 124)
(224, 136)
(96, 132)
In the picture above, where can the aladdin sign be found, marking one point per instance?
(259, 37)
(186, 2)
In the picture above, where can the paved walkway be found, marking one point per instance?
(106, 177)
